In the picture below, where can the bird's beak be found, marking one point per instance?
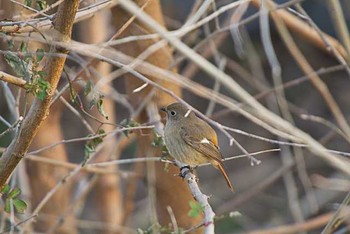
(163, 109)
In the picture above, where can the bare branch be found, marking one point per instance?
(45, 23)
(339, 216)
(209, 214)
(298, 227)
(12, 79)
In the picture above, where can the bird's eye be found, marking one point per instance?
(172, 113)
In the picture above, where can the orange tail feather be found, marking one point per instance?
(223, 172)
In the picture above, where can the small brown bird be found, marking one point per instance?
(191, 140)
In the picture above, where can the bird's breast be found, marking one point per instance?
(180, 150)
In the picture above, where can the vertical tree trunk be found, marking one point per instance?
(107, 192)
(43, 177)
(170, 190)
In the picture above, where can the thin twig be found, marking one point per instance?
(298, 227)
(338, 217)
(45, 23)
(90, 137)
(340, 24)
(12, 127)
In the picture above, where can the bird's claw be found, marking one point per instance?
(183, 172)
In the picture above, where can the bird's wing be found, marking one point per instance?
(205, 146)
(202, 145)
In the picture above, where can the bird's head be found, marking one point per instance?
(177, 111)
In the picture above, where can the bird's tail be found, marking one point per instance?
(223, 172)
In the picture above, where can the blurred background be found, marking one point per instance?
(291, 189)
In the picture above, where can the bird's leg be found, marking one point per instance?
(184, 170)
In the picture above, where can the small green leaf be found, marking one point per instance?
(73, 94)
(87, 88)
(196, 209)
(127, 124)
(23, 47)
(42, 74)
(133, 123)
(5, 189)
(140, 231)
(165, 152)
(88, 149)
(8, 205)
(19, 205)
(28, 2)
(39, 54)
(27, 57)
(39, 88)
(17, 64)
(10, 44)
(124, 122)
(98, 140)
(41, 4)
(41, 95)
(157, 140)
(14, 193)
(100, 108)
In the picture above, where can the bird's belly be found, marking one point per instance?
(179, 150)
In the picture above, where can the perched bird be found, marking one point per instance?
(191, 140)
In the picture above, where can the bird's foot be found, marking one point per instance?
(184, 170)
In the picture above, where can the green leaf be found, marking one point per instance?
(157, 140)
(98, 140)
(100, 108)
(17, 64)
(39, 88)
(14, 193)
(5, 189)
(127, 124)
(41, 4)
(41, 95)
(8, 205)
(28, 2)
(19, 205)
(88, 149)
(73, 94)
(23, 47)
(42, 75)
(87, 88)
(196, 209)
(10, 44)
(39, 54)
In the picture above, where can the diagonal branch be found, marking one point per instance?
(12, 79)
(39, 110)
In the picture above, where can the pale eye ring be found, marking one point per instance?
(172, 113)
